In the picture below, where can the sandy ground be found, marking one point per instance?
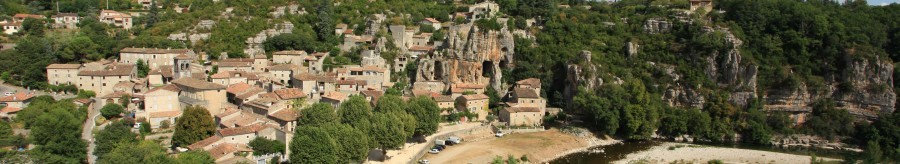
(538, 146)
(701, 154)
(409, 150)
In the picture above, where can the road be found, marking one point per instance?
(88, 129)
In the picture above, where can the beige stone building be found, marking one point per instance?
(59, 74)
(334, 99)
(238, 64)
(102, 80)
(522, 116)
(476, 103)
(154, 57)
(161, 105)
(14, 103)
(233, 77)
(196, 92)
(350, 87)
(160, 76)
(295, 57)
(115, 18)
(444, 102)
(706, 5)
(315, 86)
(242, 92)
(530, 83)
(66, 20)
(524, 97)
(282, 72)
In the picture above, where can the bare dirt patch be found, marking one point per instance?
(538, 146)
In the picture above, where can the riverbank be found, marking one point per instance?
(539, 147)
(690, 153)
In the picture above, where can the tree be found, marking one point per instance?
(353, 144)
(494, 96)
(58, 131)
(390, 104)
(427, 114)
(194, 125)
(153, 16)
(112, 135)
(313, 145)
(319, 113)
(111, 110)
(142, 68)
(32, 27)
(325, 25)
(387, 132)
(195, 157)
(143, 152)
(357, 113)
(263, 146)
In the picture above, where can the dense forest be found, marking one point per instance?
(794, 44)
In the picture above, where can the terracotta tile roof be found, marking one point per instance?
(290, 93)
(197, 84)
(243, 130)
(228, 148)
(350, 82)
(164, 70)
(475, 97)
(183, 57)
(228, 111)
(17, 97)
(270, 95)
(421, 48)
(442, 98)
(432, 20)
(165, 114)
(522, 109)
(286, 115)
(233, 74)
(526, 93)
(368, 68)
(419, 92)
(243, 119)
(335, 96)
(310, 77)
(205, 142)
(124, 84)
(237, 88)
(110, 70)
(64, 66)
(235, 63)
(533, 82)
(20, 15)
(290, 52)
(10, 110)
(250, 92)
(284, 67)
(155, 51)
(423, 35)
(456, 90)
(170, 87)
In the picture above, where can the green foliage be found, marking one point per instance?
(263, 146)
(111, 110)
(195, 156)
(352, 144)
(313, 145)
(292, 41)
(318, 114)
(194, 125)
(113, 134)
(57, 129)
(388, 131)
(32, 27)
(488, 24)
(829, 122)
(325, 26)
(427, 114)
(85, 94)
(357, 113)
(142, 68)
(145, 128)
(143, 152)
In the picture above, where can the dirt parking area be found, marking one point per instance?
(538, 146)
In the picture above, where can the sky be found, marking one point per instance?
(882, 2)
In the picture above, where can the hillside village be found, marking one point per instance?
(398, 81)
(264, 95)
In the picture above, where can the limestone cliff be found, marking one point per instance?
(581, 74)
(472, 55)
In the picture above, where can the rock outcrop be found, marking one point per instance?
(472, 55)
(581, 74)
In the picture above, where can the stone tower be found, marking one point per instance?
(182, 67)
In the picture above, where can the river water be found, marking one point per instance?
(612, 153)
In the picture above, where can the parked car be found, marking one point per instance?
(424, 161)
(454, 139)
(8, 93)
(439, 142)
(434, 151)
(499, 134)
(439, 147)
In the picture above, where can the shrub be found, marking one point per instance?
(111, 110)
(164, 124)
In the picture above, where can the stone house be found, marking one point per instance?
(59, 74)
(706, 5)
(282, 72)
(522, 116)
(196, 92)
(400, 63)
(369, 58)
(434, 23)
(295, 57)
(315, 62)
(475, 103)
(530, 83)
(101, 80)
(524, 97)
(353, 41)
(116, 97)
(66, 20)
(163, 105)
(423, 39)
(260, 63)
(242, 92)
(154, 57)
(10, 28)
(350, 87)
(230, 141)
(14, 103)
(334, 99)
(115, 18)
(340, 28)
(374, 77)
(416, 51)
(233, 77)
(160, 76)
(238, 64)
(444, 102)
(483, 10)
(314, 86)
(372, 96)
(286, 118)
